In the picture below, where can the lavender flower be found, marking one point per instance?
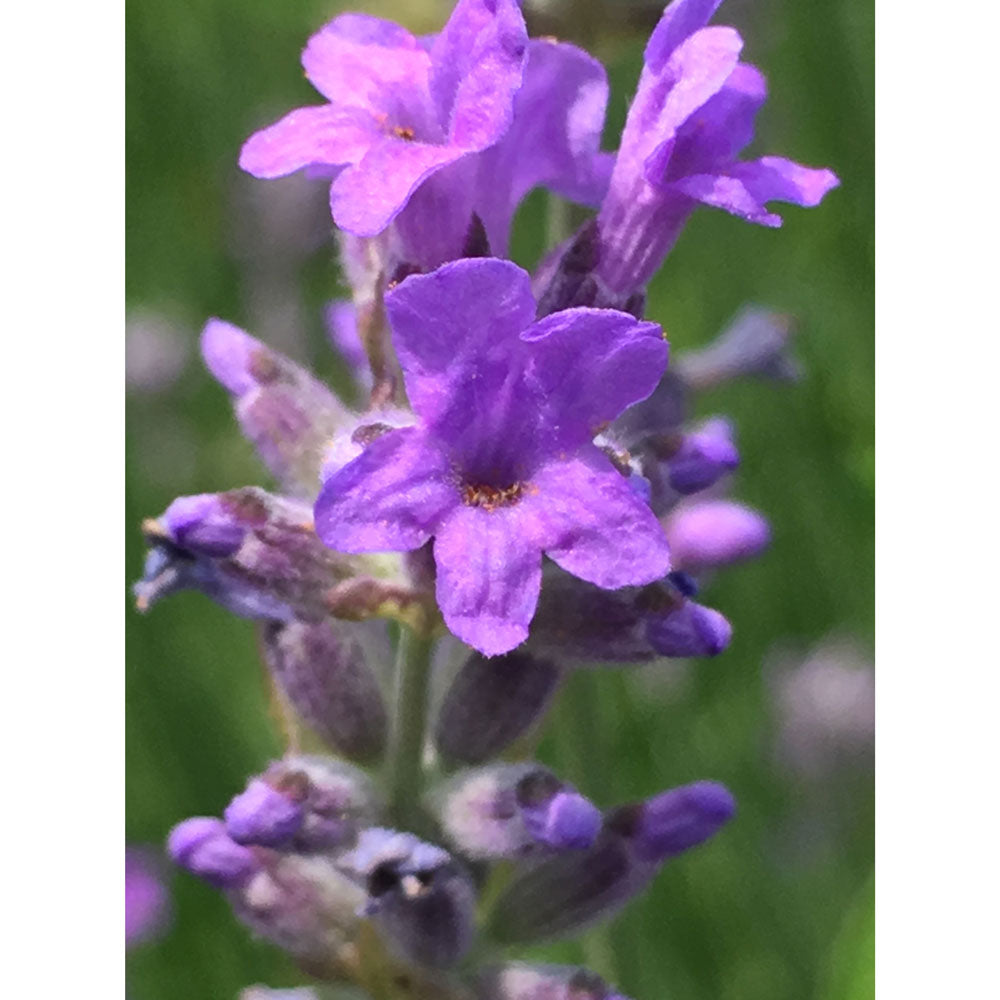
(711, 533)
(254, 553)
(523, 477)
(399, 111)
(430, 135)
(287, 415)
(691, 117)
(530, 426)
(511, 810)
(568, 891)
(146, 901)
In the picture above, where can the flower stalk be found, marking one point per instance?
(404, 760)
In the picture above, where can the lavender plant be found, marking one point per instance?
(523, 495)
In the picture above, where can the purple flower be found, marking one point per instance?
(567, 891)
(400, 109)
(692, 115)
(703, 457)
(501, 467)
(287, 414)
(146, 902)
(715, 533)
(580, 625)
(510, 810)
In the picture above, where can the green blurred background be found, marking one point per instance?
(779, 907)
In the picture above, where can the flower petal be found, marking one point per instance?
(489, 574)
(589, 366)
(592, 524)
(680, 20)
(365, 198)
(722, 128)
(773, 178)
(390, 498)
(728, 193)
(554, 139)
(477, 62)
(454, 323)
(306, 137)
(355, 59)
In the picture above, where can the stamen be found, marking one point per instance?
(491, 497)
(403, 132)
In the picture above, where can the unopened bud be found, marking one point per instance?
(715, 533)
(419, 898)
(511, 810)
(287, 415)
(690, 630)
(491, 703)
(252, 552)
(675, 821)
(302, 803)
(755, 342)
(202, 846)
(703, 457)
(564, 893)
(321, 668)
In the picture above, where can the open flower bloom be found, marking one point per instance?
(407, 117)
(501, 466)
(692, 115)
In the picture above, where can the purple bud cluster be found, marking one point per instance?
(524, 494)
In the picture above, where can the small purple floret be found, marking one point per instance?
(690, 630)
(202, 846)
(704, 457)
(204, 524)
(570, 822)
(680, 819)
(693, 114)
(502, 467)
(716, 533)
(263, 815)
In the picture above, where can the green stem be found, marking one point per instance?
(406, 746)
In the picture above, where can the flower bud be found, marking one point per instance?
(510, 810)
(754, 343)
(321, 668)
(583, 624)
(202, 846)
(715, 533)
(286, 414)
(419, 899)
(254, 553)
(702, 457)
(146, 901)
(690, 630)
(518, 981)
(302, 803)
(675, 821)
(564, 893)
(491, 703)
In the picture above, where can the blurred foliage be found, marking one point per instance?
(778, 907)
